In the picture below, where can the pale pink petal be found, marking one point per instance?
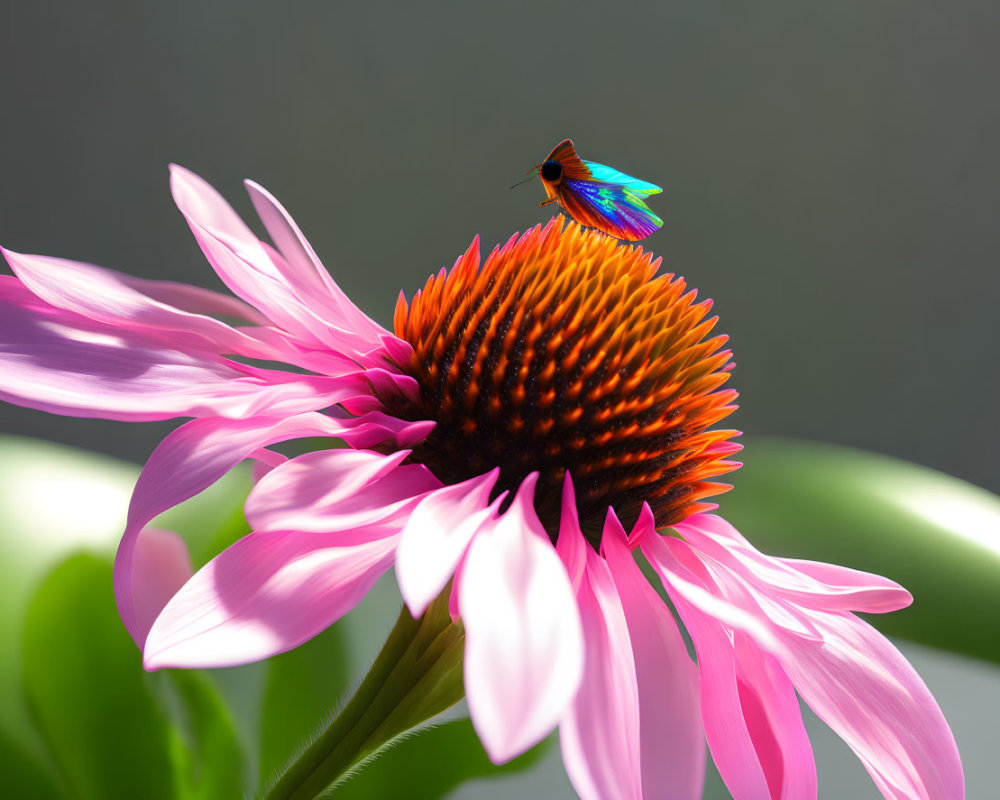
(267, 593)
(246, 265)
(846, 589)
(672, 740)
(197, 300)
(309, 278)
(436, 535)
(113, 298)
(599, 734)
(186, 462)
(845, 670)
(864, 689)
(57, 361)
(825, 586)
(524, 644)
(336, 490)
(683, 585)
(162, 565)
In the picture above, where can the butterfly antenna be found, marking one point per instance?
(530, 174)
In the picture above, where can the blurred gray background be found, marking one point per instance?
(831, 172)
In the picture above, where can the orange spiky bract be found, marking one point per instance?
(564, 352)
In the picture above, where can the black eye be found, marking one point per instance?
(551, 171)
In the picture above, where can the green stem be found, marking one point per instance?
(416, 675)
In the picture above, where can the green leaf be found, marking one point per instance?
(23, 775)
(936, 535)
(87, 692)
(53, 501)
(430, 764)
(212, 766)
(302, 688)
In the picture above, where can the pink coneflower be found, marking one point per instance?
(532, 422)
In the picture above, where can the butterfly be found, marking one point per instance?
(597, 196)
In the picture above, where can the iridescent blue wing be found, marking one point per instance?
(605, 174)
(613, 208)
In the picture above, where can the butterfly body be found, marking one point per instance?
(598, 196)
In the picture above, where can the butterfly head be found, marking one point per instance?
(551, 171)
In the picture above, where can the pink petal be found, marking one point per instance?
(267, 593)
(864, 689)
(743, 740)
(246, 266)
(336, 490)
(850, 675)
(571, 545)
(189, 460)
(377, 427)
(436, 535)
(812, 584)
(161, 566)
(774, 721)
(63, 363)
(524, 644)
(197, 300)
(672, 744)
(683, 585)
(310, 280)
(599, 734)
(113, 298)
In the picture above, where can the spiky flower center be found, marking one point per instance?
(564, 352)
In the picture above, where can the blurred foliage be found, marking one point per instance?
(80, 719)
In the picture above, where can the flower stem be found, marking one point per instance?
(416, 675)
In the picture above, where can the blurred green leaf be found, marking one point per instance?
(35, 534)
(302, 688)
(87, 691)
(214, 767)
(430, 764)
(23, 775)
(53, 501)
(936, 535)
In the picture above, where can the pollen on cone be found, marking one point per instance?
(565, 351)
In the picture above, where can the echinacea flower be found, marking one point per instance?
(531, 423)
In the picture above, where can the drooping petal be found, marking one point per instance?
(682, 584)
(672, 742)
(742, 740)
(337, 490)
(188, 461)
(851, 676)
(162, 565)
(63, 363)
(599, 734)
(812, 584)
(773, 719)
(267, 593)
(436, 535)
(524, 644)
(863, 688)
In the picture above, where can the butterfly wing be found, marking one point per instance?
(605, 174)
(613, 208)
